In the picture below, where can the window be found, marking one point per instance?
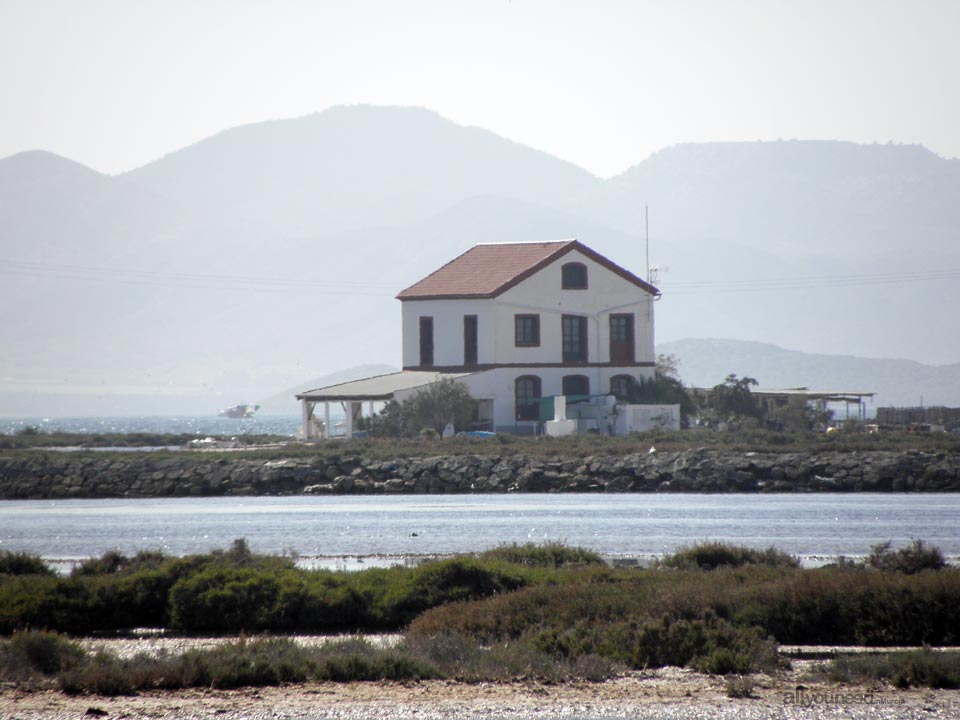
(526, 330)
(574, 276)
(426, 341)
(527, 395)
(576, 388)
(574, 338)
(469, 339)
(621, 339)
(621, 385)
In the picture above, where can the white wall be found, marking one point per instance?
(542, 294)
(447, 330)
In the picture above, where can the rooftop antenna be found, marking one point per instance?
(646, 226)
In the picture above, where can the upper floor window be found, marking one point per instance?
(526, 330)
(469, 339)
(426, 341)
(574, 276)
(621, 339)
(574, 334)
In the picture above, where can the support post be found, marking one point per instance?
(306, 412)
(350, 406)
(326, 420)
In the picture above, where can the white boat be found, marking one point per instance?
(240, 411)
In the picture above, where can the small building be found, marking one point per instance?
(517, 323)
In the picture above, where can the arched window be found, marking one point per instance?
(576, 388)
(574, 276)
(527, 395)
(620, 386)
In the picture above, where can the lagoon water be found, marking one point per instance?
(816, 527)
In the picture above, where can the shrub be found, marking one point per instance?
(712, 555)
(739, 687)
(922, 668)
(914, 558)
(31, 652)
(22, 563)
(549, 554)
(221, 599)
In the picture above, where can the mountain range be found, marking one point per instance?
(270, 253)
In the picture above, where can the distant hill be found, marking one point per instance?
(705, 363)
(272, 252)
(354, 167)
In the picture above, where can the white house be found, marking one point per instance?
(516, 322)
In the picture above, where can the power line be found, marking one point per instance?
(807, 282)
(248, 283)
(195, 280)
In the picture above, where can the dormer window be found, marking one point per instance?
(574, 276)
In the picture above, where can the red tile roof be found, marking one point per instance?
(485, 271)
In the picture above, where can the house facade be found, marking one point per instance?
(528, 321)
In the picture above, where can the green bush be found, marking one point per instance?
(223, 599)
(548, 555)
(21, 563)
(916, 557)
(712, 555)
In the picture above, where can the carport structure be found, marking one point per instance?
(351, 396)
(773, 398)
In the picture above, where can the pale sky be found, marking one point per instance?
(115, 84)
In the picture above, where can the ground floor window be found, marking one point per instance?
(527, 394)
(621, 386)
(576, 388)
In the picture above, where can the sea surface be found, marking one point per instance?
(201, 425)
(348, 532)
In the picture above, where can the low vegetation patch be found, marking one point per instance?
(921, 668)
(21, 563)
(522, 611)
(713, 555)
(916, 557)
(547, 555)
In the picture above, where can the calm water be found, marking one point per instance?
(813, 526)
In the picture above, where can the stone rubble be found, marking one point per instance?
(49, 475)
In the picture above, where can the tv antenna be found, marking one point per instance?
(646, 233)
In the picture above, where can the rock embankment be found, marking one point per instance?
(24, 475)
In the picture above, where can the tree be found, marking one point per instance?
(388, 422)
(442, 402)
(733, 399)
(666, 388)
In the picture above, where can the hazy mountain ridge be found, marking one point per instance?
(357, 166)
(272, 252)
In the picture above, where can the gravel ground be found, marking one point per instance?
(662, 694)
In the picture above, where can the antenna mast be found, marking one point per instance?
(646, 226)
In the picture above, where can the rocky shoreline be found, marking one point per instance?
(27, 475)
